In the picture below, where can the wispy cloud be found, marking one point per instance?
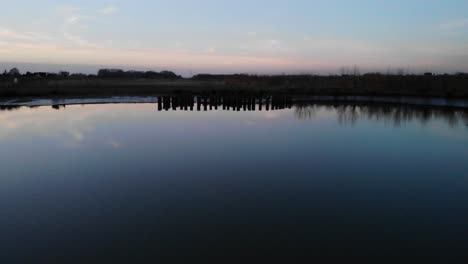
(10, 34)
(108, 10)
(75, 24)
(85, 51)
(73, 17)
(272, 44)
(453, 25)
(115, 144)
(68, 9)
(79, 40)
(72, 20)
(265, 46)
(210, 50)
(14, 35)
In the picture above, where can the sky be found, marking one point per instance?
(245, 36)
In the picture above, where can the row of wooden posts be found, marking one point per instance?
(228, 103)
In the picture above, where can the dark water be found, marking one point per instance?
(128, 182)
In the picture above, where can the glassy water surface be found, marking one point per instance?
(134, 180)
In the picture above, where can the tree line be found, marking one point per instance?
(102, 73)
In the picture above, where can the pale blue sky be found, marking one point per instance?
(239, 36)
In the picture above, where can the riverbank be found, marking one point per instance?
(375, 85)
(232, 100)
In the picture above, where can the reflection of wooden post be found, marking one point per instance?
(260, 104)
(174, 103)
(167, 103)
(267, 106)
(159, 103)
(198, 103)
(205, 103)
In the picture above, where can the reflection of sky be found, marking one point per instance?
(98, 174)
(238, 36)
(77, 124)
(129, 134)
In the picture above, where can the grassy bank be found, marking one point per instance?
(444, 86)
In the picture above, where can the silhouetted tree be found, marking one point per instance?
(110, 73)
(169, 75)
(356, 71)
(64, 74)
(14, 72)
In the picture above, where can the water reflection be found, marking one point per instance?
(125, 179)
(227, 103)
(58, 107)
(10, 107)
(349, 114)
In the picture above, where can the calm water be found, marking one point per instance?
(127, 181)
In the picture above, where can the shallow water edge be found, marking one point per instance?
(403, 100)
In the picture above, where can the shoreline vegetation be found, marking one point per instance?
(238, 102)
(115, 82)
(347, 112)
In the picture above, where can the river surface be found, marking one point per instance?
(133, 181)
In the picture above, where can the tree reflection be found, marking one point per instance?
(347, 113)
(398, 115)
